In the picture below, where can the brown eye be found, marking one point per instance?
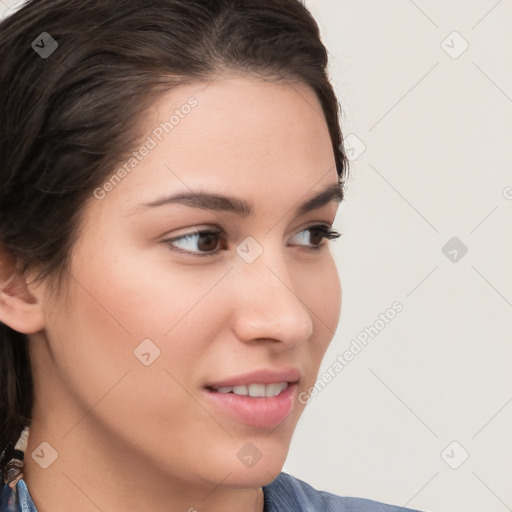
(198, 243)
(318, 233)
(207, 242)
(316, 237)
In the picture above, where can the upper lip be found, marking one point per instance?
(264, 376)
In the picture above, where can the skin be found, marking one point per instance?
(126, 433)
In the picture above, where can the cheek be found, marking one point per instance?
(321, 293)
(320, 289)
(109, 313)
(142, 296)
(132, 300)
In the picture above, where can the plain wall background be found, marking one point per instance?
(436, 132)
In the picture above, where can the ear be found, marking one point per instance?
(19, 309)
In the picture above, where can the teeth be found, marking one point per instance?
(240, 390)
(226, 389)
(275, 389)
(257, 390)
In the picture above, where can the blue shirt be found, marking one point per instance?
(285, 494)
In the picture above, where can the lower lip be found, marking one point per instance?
(262, 412)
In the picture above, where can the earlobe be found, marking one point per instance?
(19, 309)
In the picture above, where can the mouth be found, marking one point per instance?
(257, 405)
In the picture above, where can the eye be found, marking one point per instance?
(318, 233)
(206, 240)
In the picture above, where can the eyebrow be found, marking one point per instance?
(218, 202)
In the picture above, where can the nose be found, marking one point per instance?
(268, 306)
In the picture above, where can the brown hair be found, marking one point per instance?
(69, 116)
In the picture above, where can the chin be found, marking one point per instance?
(248, 462)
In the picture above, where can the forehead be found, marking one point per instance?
(234, 133)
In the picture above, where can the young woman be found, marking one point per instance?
(171, 170)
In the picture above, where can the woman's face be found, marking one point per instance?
(126, 356)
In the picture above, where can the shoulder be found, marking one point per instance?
(287, 493)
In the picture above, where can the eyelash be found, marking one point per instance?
(325, 230)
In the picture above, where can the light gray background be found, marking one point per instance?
(435, 128)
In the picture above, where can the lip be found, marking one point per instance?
(259, 412)
(263, 376)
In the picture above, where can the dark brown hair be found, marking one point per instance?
(68, 118)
